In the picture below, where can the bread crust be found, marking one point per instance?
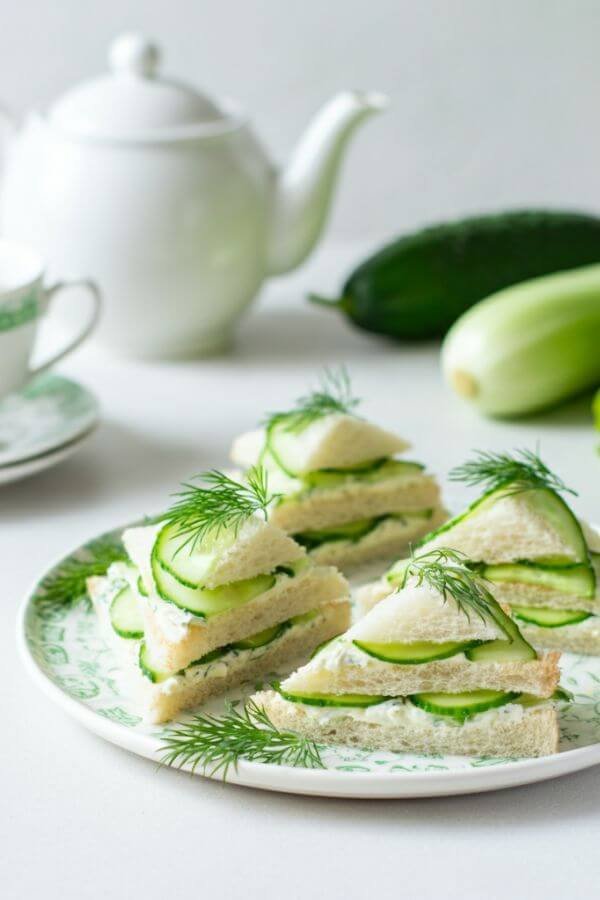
(583, 638)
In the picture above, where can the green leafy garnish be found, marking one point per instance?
(220, 504)
(215, 743)
(67, 584)
(522, 471)
(334, 395)
(448, 572)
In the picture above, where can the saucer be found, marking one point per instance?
(43, 418)
(36, 464)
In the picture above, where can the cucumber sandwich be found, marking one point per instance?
(343, 494)
(436, 667)
(213, 595)
(525, 540)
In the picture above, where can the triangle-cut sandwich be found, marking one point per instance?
(343, 494)
(213, 595)
(436, 667)
(523, 537)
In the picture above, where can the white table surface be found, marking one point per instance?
(82, 819)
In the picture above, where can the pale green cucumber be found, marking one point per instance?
(178, 556)
(514, 649)
(204, 602)
(140, 586)
(415, 653)
(462, 706)
(262, 638)
(577, 580)
(529, 346)
(380, 470)
(355, 531)
(549, 618)
(125, 616)
(359, 701)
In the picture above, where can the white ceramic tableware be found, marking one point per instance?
(168, 200)
(24, 299)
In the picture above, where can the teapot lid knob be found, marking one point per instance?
(133, 54)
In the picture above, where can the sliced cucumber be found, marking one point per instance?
(462, 706)
(356, 700)
(413, 654)
(579, 580)
(149, 667)
(125, 616)
(355, 531)
(262, 638)
(515, 648)
(549, 618)
(322, 646)
(180, 559)
(303, 618)
(140, 586)
(380, 470)
(204, 602)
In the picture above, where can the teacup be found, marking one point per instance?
(23, 301)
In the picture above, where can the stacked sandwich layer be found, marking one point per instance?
(343, 494)
(192, 619)
(539, 559)
(428, 670)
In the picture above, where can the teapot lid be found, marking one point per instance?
(133, 102)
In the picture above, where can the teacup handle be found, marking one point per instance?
(87, 329)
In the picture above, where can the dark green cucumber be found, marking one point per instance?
(415, 653)
(419, 285)
(549, 618)
(355, 531)
(262, 638)
(358, 701)
(462, 706)
(125, 616)
(140, 586)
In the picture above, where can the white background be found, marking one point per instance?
(493, 104)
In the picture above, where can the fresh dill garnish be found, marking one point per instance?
(448, 572)
(333, 395)
(215, 743)
(67, 583)
(220, 503)
(523, 470)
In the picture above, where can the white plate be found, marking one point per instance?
(72, 664)
(36, 464)
(48, 414)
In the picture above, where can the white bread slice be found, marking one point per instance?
(258, 547)
(591, 535)
(336, 441)
(175, 648)
(325, 508)
(584, 637)
(163, 701)
(420, 613)
(502, 531)
(388, 540)
(534, 732)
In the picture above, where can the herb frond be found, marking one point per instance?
(67, 584)
(523, 470)
(215, 743)
(333, 395)
(448, 572)
(219, 503)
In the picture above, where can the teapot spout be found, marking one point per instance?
(304, 189)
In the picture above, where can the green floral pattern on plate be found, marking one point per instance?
(50, 412)
(18, 312)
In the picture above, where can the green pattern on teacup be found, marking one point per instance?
(18, 312)
(68, 647)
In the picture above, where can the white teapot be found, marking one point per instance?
(167, 200)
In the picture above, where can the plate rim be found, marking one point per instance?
(301, 781)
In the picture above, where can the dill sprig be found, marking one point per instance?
(448, 572)
(523, 470)
(333, 395)
(221, 503)
(215, 743)
(67, 583)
